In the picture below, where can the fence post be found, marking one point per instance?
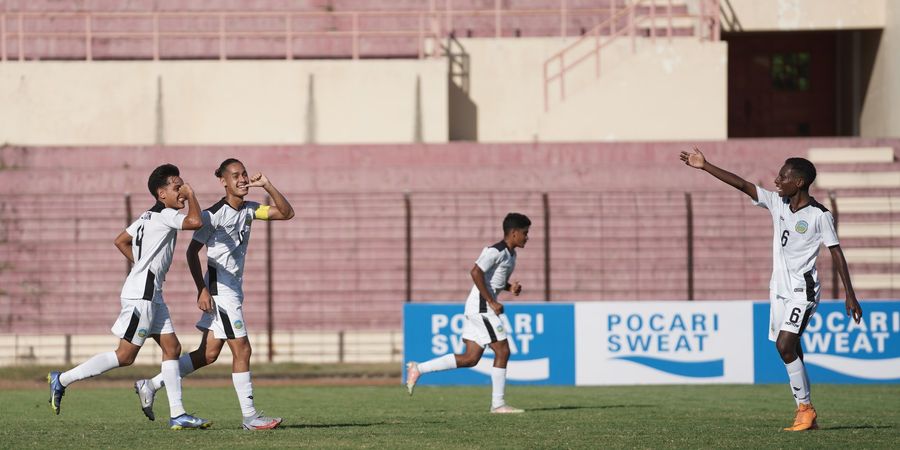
(547, 291)
(128, 219)
(156, 36)
(221, 36)
(68, 356)
(289, 36)
(341, 346)
(355, 43)
(88, 39)
(688, 202)
(835, 287)
(407, 204)
(270, 316)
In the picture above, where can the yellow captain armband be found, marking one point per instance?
(262, 213)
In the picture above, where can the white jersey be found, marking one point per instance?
(497, 262)
(152, 244)
(795, 244)
(226, 233)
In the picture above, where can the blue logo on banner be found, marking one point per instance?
(836, 349)
(541, 340)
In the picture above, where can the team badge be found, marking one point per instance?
(142, 333)
(238, 324)
(500, 328)
(801, 226)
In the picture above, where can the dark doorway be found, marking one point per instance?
(798, 83)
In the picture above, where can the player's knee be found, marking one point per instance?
(466, 360)
(788, 352)
(502, 352)
(126, 359)
(210, 357)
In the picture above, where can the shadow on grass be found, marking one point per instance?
(301, 426)
(856, 427)
(565, 408)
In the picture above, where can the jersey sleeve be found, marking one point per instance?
(765, 199)
(488, 259)
(826, 227)
(172, 218)
(133, 228)
(206, 228)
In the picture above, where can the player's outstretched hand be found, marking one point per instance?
(695, 159)
(853, 308)
(515, 288)
(205, 302)
(258, 180)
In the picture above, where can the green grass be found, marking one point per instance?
(457, 417)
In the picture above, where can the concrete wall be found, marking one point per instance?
(213, 102)
(793, 15)
(639, 96)
(880, 116)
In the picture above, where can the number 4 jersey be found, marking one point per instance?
(795, 244)
(152, 244)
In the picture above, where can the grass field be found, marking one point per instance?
(98, 416)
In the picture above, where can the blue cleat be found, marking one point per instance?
(57, 390)
(187, 421)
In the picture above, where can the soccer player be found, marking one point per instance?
(148, 243)
(800, 225)
(483, 327)
(226, 234)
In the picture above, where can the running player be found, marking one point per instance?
(483, 326)
(226, 234)
(148, 243)
(801, 225)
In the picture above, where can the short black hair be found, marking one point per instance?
(803, 168)
(225, 164)
(159, 178)
(515, 221)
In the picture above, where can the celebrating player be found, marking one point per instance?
(225, 233)
(148, 243)
(800, 225)
(483, 326)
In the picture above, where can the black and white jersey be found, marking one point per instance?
(226, 233)
(795, 244)
(497, 262)
(152, 243)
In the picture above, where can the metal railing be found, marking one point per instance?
(589, 46)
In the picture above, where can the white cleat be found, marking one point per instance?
(412, 376)
(144, 390)
(506, 409)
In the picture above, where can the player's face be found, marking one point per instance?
(786, 183)
(169, 195)
(235, 180)
(520, 237)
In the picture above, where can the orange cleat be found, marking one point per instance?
(805, 420)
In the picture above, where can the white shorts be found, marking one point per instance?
(141, 318)
(484, 329)
(228, 320)
(789, 314)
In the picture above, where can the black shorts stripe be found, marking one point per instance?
(490, 329)
(213, 281)
(149, 286)
(810, 287)
(226, 324)
(482, 304)
(132, 326)
(805, 321)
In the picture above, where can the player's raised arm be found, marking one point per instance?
(283, 209)
(851, 304)
(192, 221)
(478, 279)
(698, 161)
(123, 243)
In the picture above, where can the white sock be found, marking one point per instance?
(244, 389)
(438, 364)
(185, 368)
(799, 381)
(98, 364)
(498, 379)
(173, 387)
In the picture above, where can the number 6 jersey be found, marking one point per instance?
(795, 244)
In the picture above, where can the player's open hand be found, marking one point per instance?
(515, 287)
(205, 302)
(853, 308)
(258, 180)
(695, 159)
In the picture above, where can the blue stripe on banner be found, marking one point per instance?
(696, 369)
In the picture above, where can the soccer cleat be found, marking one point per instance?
(805, 420)
(187, 421)
(506, 409)
(57, 390)
(261, 422)
(146, 393)
(412, 376)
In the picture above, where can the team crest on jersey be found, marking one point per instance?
(142, 333)
(238, 324)
(801, 226)
(500, 328)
